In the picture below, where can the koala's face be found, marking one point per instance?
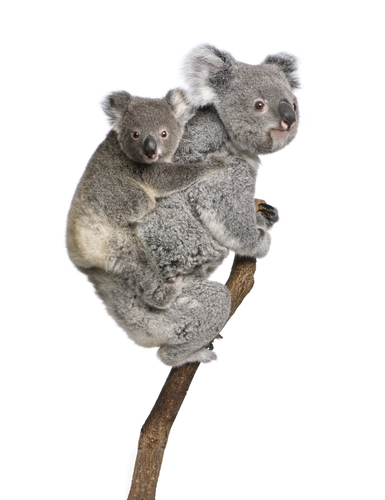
(148, 129)
(258, 109)
(255, 103)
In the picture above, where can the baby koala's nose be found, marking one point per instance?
(149, 146)
(287, 114)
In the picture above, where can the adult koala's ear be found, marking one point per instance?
(205, 70)
(115, 105)
(183, 111)
(288, 65)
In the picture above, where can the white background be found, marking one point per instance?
(294, 406)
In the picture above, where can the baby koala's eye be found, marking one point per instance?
(135, 135)
(163, 134)
(259, 105)
(294, 106)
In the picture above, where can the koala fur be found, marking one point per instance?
(129, 170)
(248, 110)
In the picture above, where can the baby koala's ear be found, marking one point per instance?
(115, 104)
(183, 111)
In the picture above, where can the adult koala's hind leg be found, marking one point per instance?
(203, 309)
(133, 261)
(181, 331)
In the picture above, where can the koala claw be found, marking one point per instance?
(269, 213)
(210, 345)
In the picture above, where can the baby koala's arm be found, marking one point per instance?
(167, 178)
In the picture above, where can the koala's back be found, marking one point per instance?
(178, 241)
(203, 134)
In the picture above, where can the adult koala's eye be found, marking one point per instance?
(135, 135)
(164, 134)
(259, 105)
(294, 106)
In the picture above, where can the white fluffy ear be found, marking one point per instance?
(182, 109)
(115, 104)
(204, 68)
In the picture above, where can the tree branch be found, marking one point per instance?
(155, 431)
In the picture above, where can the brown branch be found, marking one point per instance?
(155, 431)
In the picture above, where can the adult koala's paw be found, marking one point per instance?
(269, 213)
(203, 355)
(174, 355)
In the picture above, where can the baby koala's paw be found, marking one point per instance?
(269, 213)
(177, 282)
(165, 294)
(218, 160)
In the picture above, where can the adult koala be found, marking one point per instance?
(248, 110)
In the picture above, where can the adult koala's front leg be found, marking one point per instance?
(130, 259)
(226, 206)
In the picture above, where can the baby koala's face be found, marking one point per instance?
(148, 130)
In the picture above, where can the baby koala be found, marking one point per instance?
(129, 170)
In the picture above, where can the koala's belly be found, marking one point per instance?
(88, 239)
(180, 243)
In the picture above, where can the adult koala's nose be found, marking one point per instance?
(287, 115)
(149, 146)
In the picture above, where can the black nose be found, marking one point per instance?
(287, 114)
(149, 146)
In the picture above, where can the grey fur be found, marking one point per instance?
(190, 232)
(120, 187)
(233, 87)
(288, 64)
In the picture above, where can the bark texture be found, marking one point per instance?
(155, 431)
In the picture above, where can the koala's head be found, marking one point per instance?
(148, 129)
(255, 103)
